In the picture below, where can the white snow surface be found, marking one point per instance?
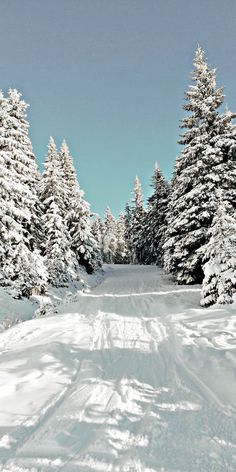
(128, 376)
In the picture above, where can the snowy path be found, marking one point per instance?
(131, 377)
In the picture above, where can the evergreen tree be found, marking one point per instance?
(52, 185)
(121, 254)
(97, 231)
(68, 176)
(24, 163)
(109, 243)
(137, 242)
(155, 224)
(219, 284)
(18, 217)
(84, 244)
(128, 232)
(60, 260)
(67, 165)
(206, 161)
(78, 216)
(30, 272)
(10, 228)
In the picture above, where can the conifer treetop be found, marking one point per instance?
(51, 185)
(138, 195)
(69, 173)
(17, 103)
(203, 99)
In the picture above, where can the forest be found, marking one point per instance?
(187, 226)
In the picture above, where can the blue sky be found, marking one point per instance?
(110, 76)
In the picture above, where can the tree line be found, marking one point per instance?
(188, 226)
(47, 231)
(45, 222)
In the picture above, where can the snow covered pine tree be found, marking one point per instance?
(155, 221)
(206, 162)
(121, 254)
(21, 264)
(219, 283)
(78, 216)
(97, 231)
(137, 218)
(128, 235)
(60, 260)
(109, 242)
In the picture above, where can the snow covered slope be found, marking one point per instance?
(131, 376)
(14, 310)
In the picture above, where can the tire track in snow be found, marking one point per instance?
(116, 331)
(125, 340)
(104, 339)
(175, 351)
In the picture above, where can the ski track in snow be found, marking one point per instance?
(131, 377)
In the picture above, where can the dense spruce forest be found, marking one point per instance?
(188, 227)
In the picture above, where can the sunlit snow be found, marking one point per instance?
(131, 375)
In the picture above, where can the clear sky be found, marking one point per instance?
(109, 76)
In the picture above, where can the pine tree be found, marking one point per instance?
(109, 243)
(24, 162)
(97, 231)
(52, 185)
(84, 244)
(219, 284)
(78, 216)
(30, 272)
(19, 217)
(10, 228)
(68, 176)
(206, 161)
(121, 254)
(60, 260)
(155, 223)
(137, 242)
(128, 232)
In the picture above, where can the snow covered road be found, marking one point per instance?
(130, 377)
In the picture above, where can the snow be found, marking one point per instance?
(13, 310)
(127, 375)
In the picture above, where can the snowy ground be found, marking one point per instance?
(13, 310)
(131, 376)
